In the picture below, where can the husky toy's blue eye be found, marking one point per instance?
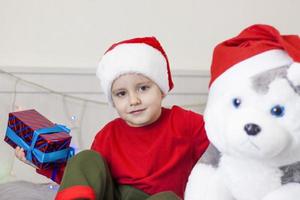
(277, 111)
(236, 102)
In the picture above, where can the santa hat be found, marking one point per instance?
(138, 55)
(257, 48)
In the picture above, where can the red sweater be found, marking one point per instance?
(154, 158)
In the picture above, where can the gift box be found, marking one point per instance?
(46, 144)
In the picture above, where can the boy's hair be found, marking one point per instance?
(138, 55)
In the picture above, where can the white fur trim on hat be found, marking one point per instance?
(261, 62)
(132, 58)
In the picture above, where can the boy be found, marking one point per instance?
(147, 153)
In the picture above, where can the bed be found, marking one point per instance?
(27, 191)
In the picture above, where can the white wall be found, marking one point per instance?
(74, 33)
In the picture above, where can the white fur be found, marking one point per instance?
(199, 173)
(294, 73)
(287, 192)
(249, 166)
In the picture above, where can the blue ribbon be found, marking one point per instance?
(41, 156)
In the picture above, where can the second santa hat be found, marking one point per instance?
(138, 55)
(257, 48)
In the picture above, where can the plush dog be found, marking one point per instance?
(253, 118)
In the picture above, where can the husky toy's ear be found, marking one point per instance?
(294, 74)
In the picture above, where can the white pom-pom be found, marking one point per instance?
(294, 73)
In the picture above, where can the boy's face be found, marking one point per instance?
(137, 99)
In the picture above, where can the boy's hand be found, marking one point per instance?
(20, 154)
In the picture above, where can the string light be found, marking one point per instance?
(54, 187)
(18, 79)
(76, 120)
(13, 106)
(73, 118)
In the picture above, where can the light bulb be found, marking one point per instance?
(73, 117)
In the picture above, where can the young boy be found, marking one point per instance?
(147, 153)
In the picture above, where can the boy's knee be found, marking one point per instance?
(87, 156)
(164, 196)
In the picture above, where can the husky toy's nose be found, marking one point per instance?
(252, 129)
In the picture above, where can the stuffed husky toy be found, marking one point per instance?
(253, 118)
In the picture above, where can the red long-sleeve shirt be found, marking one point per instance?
(154, 158)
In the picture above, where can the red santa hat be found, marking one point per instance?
(138, 55)
(257, 48)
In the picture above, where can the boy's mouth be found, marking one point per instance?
(137, 111)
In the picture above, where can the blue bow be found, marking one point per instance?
(41, 156)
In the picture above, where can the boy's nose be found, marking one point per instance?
(134, 99)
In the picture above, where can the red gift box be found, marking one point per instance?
(46, 144)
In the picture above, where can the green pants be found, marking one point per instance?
(87, 177)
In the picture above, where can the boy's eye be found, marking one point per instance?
(144, 87)
(120, 94)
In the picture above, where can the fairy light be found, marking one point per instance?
(76, 120)
(73, 118)
(54, 187)
(43, 88)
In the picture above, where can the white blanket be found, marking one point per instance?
(22, 190)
